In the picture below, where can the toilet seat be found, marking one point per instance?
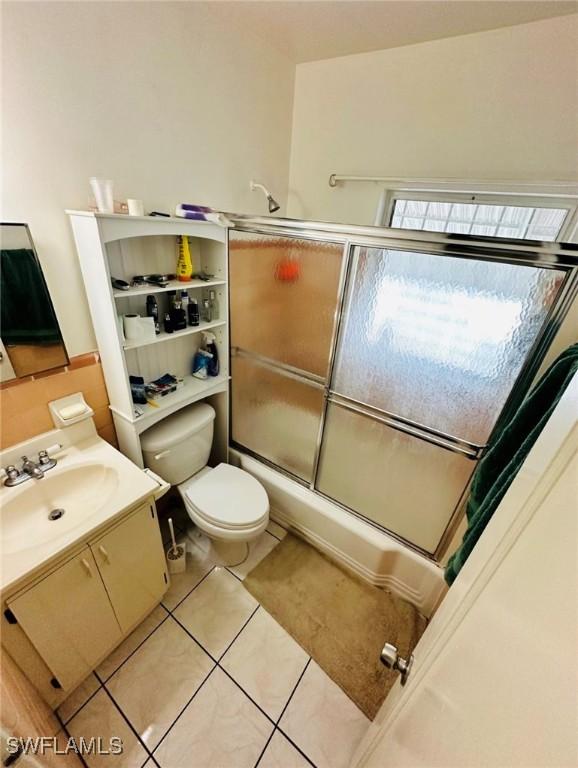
(227, 498)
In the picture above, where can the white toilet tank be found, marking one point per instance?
(179, 446)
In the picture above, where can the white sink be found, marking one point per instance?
(92, 483)
(72, 494)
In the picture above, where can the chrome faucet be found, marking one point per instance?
(29, 470)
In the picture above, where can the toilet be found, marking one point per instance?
(228, 504)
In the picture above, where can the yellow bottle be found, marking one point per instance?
(184, 262)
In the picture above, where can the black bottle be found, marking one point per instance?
(153, 311)
(178, 316)
(168, 323)
(193, 310)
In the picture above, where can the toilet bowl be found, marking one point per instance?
(227, 503)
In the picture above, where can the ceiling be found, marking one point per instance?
(308, 30)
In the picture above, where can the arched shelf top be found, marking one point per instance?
(116, 226)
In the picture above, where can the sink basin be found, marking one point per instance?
(77, 493)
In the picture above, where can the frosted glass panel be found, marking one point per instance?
(400, 482)
(437, 339)
(284, 298)
(275, 416)
(471, 219)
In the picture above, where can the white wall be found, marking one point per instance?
(168, 99)
(491, 105)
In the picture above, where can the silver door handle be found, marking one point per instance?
(392, 660)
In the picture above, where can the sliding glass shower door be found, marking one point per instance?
(284, 295)
(378, 382)
(429, 350)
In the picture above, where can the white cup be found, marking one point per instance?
(102, 191)
(135, 207)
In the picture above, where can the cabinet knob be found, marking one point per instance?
(87, 567)
(104, 553)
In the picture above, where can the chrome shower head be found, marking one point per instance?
(272, 203)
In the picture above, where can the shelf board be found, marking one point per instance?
(188, 331)
(174, 285)
(192, 390)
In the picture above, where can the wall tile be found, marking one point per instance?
(24, 402)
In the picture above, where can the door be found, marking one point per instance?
(430, 348)
(284, 295)
(132, 565)
(494, 682)
(375, 374)
(69, 619)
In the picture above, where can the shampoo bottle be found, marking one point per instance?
(211, 347)
(184, 262)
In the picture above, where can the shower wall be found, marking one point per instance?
(375, 375)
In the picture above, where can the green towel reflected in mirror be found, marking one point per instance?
(28, 324)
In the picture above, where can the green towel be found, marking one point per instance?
(26, 313)
(507, 452)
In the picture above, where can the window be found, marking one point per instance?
(480, 214)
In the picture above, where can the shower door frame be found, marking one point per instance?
(545, 255)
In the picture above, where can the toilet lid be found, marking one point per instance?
(229, 497)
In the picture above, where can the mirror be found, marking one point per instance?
(28, 326)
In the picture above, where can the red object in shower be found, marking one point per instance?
(287, 271)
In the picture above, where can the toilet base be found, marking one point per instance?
(230, 553)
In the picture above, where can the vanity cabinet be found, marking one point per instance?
(75, 614)
(132, 566)
(69, 618)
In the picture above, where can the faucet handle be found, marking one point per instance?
(11, 472)
(45, 461)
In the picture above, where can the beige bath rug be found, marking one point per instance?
(340, 620)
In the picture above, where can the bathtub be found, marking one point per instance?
(370, 553)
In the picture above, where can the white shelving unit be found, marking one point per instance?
(111, 245)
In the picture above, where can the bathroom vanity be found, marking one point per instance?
(83, 560)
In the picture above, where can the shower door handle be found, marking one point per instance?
(392, 660)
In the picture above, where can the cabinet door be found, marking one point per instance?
(131, 561)
(69, 619)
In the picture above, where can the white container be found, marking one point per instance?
(137, 328)
(102, 191)
(177, 560)
(135, 207)
(180, 445)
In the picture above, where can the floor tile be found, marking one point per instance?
(221, 728)
(62, 759)
(276, 529)
(216, 610)
(258, 549)
(323, 721)
(131, 643)
(78, 698)
(280, 753)
(198, 563)
(101, 718)
(158, 680)
(266, 662)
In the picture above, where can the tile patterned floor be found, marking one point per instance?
(211, 680)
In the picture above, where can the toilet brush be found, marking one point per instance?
(176, 553)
